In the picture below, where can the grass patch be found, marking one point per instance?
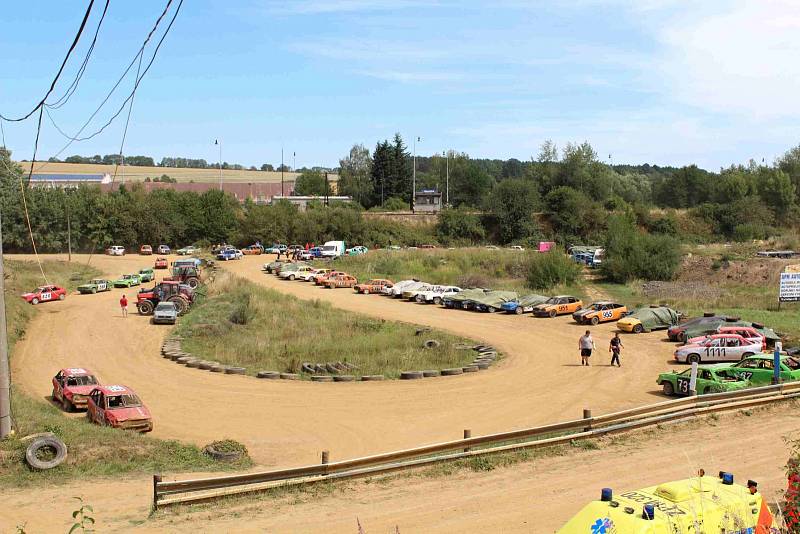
(93, 450)
(241, 323)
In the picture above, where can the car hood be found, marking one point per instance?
(543, 306)
(126, 414)
(584, 312)
(87, 285)
(80, 390)
(512, 305)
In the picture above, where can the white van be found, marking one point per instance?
(333, 249)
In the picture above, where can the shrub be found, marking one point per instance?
(632, 254)
(459, 225)
(551, 269)
(242, 312)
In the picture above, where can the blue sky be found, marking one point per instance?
(658, 81)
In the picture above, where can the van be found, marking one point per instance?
(333, 249)
(116, 250)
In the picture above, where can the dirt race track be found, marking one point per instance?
(289, 423)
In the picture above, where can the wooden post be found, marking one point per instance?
(325, 457)
(467, 435)
(587, 414)
(156, 480)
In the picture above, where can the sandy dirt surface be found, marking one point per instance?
(289, 423)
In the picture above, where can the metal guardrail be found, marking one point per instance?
(167, 493)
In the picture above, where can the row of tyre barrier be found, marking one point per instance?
(172, 349)
(167, 493)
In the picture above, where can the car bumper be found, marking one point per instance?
(164, 320)
(541, 313)
(137, 425)
(85, 290)
(121, 285)
(79, 401)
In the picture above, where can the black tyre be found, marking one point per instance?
(291, 277)
(681, 336)
(437, 300)
(34, 301)
(62, 296)
(595, 320)
(746, 355)
(46, 453)
(638, 329)
(145, 307)
(552, 313)
(693, 358)
(668, 389)
(180, 303)
(94, 290)
(193, 283)
(420, 299)
(67, 405)
(518, 310)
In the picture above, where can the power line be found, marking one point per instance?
(60, 70)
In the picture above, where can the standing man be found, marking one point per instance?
(615, 347)
(123, 303)
(586, 346)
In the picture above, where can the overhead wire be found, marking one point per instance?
(125, 130)
(60, 70)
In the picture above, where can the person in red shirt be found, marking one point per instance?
(123, 303)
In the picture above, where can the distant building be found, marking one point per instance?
(68, 180)
(427, 201)
(303, 201)
(258, 192)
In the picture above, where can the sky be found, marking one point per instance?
(665, 82)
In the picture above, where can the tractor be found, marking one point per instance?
(185, 274)
(167, 291)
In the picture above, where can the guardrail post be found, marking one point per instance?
(587, 414)
(156, 480)
(325, 457)
(467, 435)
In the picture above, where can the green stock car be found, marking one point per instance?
(146, 275)
(94, 285)
(710, 379)
(127, 280)
(759, 369)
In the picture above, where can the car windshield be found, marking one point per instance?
(552, 300)
(96, 281)
(164, 306)
(81, 381)
(328, 247)
(123, 401)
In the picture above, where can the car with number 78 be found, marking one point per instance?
(710, 379)
(719, 348)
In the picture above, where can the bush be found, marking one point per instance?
(551, 269)
(459, 226)
(750, 231)
(631, 254)
(242, 312)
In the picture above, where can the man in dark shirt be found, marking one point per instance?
(615, 347)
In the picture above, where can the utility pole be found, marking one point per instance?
(447, 181)
(294, 162)
(5, 377)
(69, 231)
(281, 171)
(414, 178)
(327, 188)
(218, 142)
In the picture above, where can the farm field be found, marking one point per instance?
(138, 174)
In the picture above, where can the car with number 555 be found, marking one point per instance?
(118, 407)
(45, 294)
(710, 379)
(600, 312)
(760, 368)
(719, 348)
(558, 305)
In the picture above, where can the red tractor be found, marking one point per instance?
(185, 274)
(167, 291)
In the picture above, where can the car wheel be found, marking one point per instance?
(638, 329)
(67, 405)
(366, 291)
(693, 358)
(595, 321)
(681, 337)
(667, 388)
(746, 355)
(419, 299)
(94, 290)
(552, 313)
(291, 277)
(518, 310)
(34, 301)
(437, 300)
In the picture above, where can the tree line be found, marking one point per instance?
(169, 161)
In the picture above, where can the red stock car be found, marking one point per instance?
(71, 387)
(44, 294)
(161, 263)
(118, 407)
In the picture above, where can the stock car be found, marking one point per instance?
(759, 369)
(309, 276)
(291, 274)
(127, 280)
(374, 285)
(600, 312)
(558, 305)
(436, 294)
(253, 250)
(95, 285)
(146, 275)
(718, 348)
(45, 294)
(321, 279)
(229, 254)
(523, 304)
(161, 263)
(186, 251)
(745, 331)
(71, 387)
(710, 379)
(341, 280)
(708, 322)
(118, 407)
(146, 250)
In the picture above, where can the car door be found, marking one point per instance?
(749, 370)
(58, 386)
(682, 382)
(714, 350)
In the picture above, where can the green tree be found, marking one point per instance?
(459, 225)
(631, 253)
(310, 183)
(354, 176)
(512, 205)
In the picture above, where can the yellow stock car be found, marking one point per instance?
(677, 507)
(558, 305)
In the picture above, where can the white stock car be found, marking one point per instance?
(436, 294)
(297, 273)
(719, 348)
(397, 289)
(308, 275)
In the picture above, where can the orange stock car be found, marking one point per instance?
(558, 305)
(375, 285)
(341, 280)
(321, 279)
(600, 312)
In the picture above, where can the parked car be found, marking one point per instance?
(718, 348)
(760, 368)
(118, 407)
(340, 280)
(517, 247)
(276, 249)
(230, 254)
(146, 275)
(292, 274)
(309, 276)
(71, 387)
(374, 285)
(435, 294)
(161, 263)
(95, 285)
(253, 250)
(186, 251)
(410, 293)
(127, 280)
(697, 326)
(116, 250)
(163, 249)
(45, 294)
(523, 304)
(745, 331)
(165, 313)
(320, 279)
(272, 266)
(709, 380)
(356, 251)
(146, 250)
(491, 301)
(558, 305)
(648, 319)
(397, 289)
(600, 312)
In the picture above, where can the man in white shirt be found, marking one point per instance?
(586, 346)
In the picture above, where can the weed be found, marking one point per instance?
(83, 520)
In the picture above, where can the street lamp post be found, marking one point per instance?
(447, 179)
(218, 142)
(414, 178)
(281, 171)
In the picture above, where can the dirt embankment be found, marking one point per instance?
(717, 271)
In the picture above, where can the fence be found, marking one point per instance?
(167, 493)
